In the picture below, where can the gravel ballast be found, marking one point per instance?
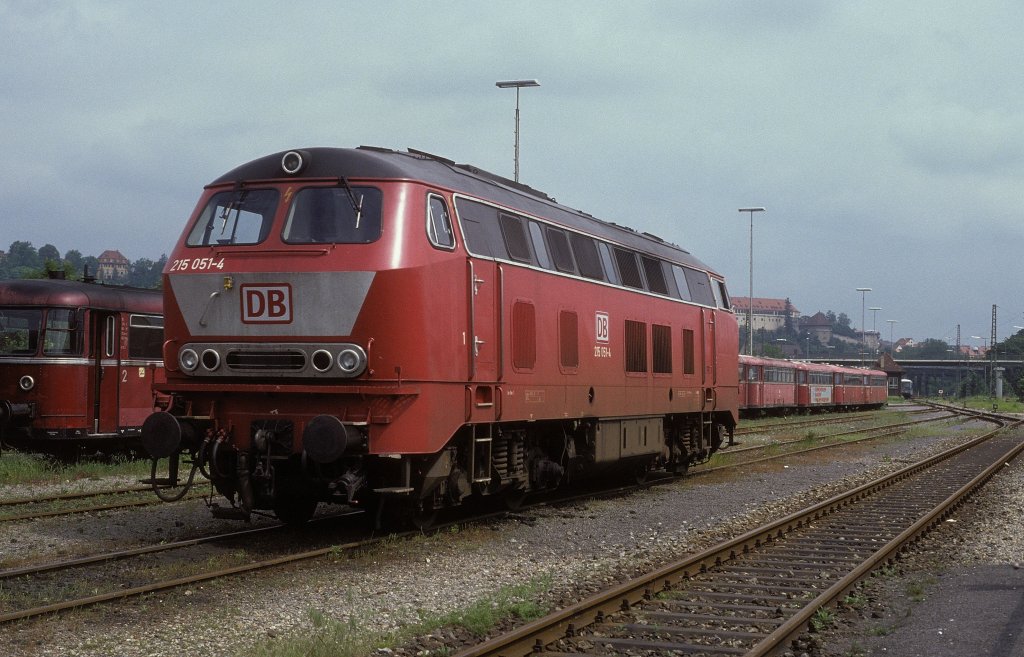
(576, 549)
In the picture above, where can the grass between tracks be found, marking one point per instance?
(24, 468)
(354, 637)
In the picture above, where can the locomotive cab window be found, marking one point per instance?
(235, 217)
(334, 215)
(439, 223)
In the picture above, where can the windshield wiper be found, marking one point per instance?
(356, 205)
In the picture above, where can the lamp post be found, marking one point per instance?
(874, 321)
(517, 85)
(863, 331)
(891, 345)
(750, 297)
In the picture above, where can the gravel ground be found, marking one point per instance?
(577, 549)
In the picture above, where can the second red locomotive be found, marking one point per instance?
(367, 326)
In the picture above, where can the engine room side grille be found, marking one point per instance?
(259, 360)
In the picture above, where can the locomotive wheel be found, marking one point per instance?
(514, 498)
(294, 509)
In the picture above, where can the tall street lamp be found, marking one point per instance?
(891, 345)
(874, 323)
(750, 297)
(863, 331)
(517, 85)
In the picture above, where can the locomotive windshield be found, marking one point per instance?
(334, 215)
(235, 217)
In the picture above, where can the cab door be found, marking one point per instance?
(482, 339)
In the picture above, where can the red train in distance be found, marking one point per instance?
(773, 386)
(77, 364)
(398, 331)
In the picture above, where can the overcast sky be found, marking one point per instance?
(885, 139)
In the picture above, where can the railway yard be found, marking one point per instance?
(420, 594)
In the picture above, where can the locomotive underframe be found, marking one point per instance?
(505, 459)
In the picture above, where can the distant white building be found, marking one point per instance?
(768, 314)
(113, 266)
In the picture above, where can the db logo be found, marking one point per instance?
(266, 304)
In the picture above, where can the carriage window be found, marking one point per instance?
(111, 336)
(19, 331)
(334, 215)
(538, 245)
(236, 217)
(146, 336)
(63, 334)
(439, 223)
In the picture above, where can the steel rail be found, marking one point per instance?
(532, 637)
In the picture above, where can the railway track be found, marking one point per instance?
(22, 583)
(26, 508)
(757, 593)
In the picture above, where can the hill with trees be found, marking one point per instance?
(22, 260)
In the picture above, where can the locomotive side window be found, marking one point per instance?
(541, 249)
(524, 335)
(480, 229)
(661, 348)
(334, 215)
(721, 294)
(63, 335)
(636, 346)
(700, 287)
(587, 257)
(19, 331)
(568, 339)
(655, 275)
(516, 242)
(609, 266)
(235, 217)
(439, 223)
(146, 336)
(628, 268)
(681, 284)
(561, 254)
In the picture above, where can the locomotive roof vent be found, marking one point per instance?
(293, 162)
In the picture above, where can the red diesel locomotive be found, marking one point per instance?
(385, 328)
(77, 363)
(769, 385)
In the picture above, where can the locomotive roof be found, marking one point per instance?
(50, 292)
(372, 162)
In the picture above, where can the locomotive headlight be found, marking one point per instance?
(293, 162)
(26, 383)
(352, 360)
(211, 359)
(322, 360)
(188, 359)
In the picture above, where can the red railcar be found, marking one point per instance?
(769, 385)
(77, 363)
(364, 325)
